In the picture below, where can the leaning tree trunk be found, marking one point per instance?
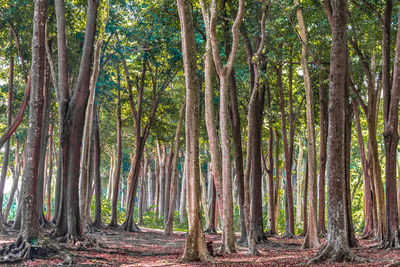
(195, 246)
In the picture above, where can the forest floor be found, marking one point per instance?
(151, 248)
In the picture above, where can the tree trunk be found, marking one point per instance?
(167, 192)
(182, 205)
(311, 240)
(162, 161)
(4, 166)
(299, 182)
(323, 125)
(368, 203)
(391, 236)
(16, 173)
(195, 247)
(174, 174)
(96, 169)
(50, 175)
(30, 225)
(113, 222)
(337, 247)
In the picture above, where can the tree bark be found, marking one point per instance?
(337, 247)
(174, 174)
(195, 247)
(96, 169)
(113, 222)
(391, 237)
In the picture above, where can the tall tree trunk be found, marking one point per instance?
(50, 175)
(162, 160)
(174, 174)
(96, 169)
(30, 225)
(195, 247)
(16, 173)
(311, 240)
(337, 247)
(167, 192)
(323, 125)
(299, 182)
(43, 145)
(113, 222)
(368, 203)
(391, 236)
(182, 205)
(4, 166)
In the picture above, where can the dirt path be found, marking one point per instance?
(151, 248)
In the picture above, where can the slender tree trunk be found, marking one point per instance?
(305, 191)
(162, 180)
(113, 222)
(16, 174)
(299, 182)
(311, 240)
(50, 174)
(96, 169)
(195, 247)
(167, 192)
(182, 205)
(368, 203)
(323, 125)
(174, 174)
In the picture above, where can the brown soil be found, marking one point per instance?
(151, 248)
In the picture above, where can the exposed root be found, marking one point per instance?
(288, 235)
(210, 231)
(21, 250)
(394, 263)
(368, 235)
(332, 253)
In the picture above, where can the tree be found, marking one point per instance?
(337, 246)
(195, 246)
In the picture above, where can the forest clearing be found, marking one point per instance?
(200, 132)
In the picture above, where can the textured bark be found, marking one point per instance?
(174, 174)
(68, 221)
(182, 205)
(337, 247)
(30, 224)
(43, 146)
(195, 247)
(311, 240)
(391, 237)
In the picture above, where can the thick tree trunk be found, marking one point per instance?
(167, 192)
(30, 224)
(195, 247)
(337, 247)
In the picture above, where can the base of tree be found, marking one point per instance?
(308, 244)
(225, 249)
(130, 228)
(210, 231)
(332, 253)
(288, 235)
(21, 250)
(392, 243)
(368, 235)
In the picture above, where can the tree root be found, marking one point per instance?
(288, 235)
(332, 253)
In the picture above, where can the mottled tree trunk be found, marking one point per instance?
(195, 247)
